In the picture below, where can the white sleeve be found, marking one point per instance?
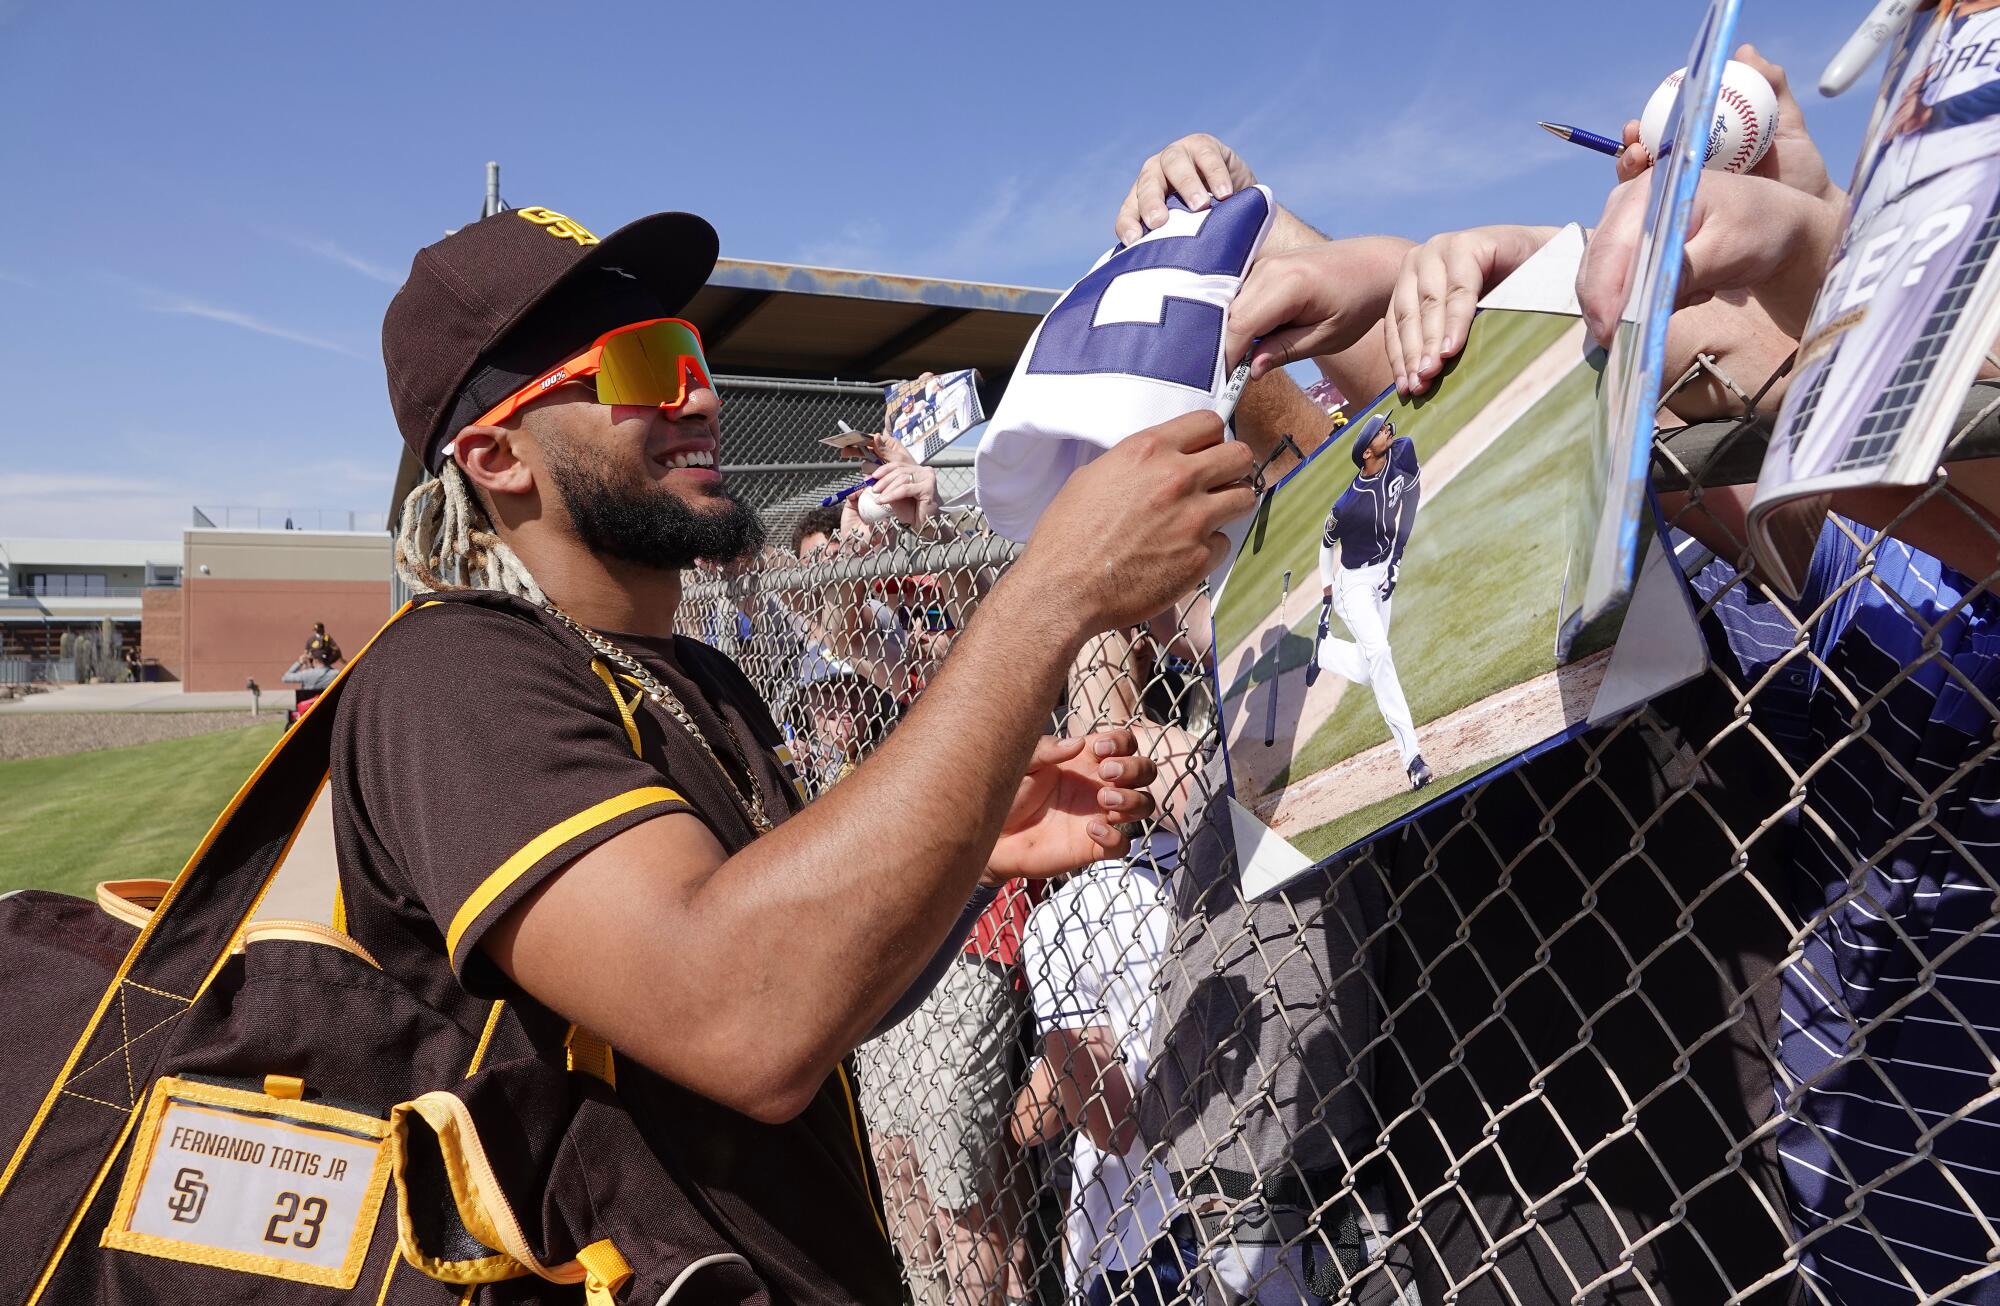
(1329, 562)
(1053, 958)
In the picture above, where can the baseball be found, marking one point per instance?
(873, 510)
(1746, 113)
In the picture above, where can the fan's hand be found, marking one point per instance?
(1069, 806)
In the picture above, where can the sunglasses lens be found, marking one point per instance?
(658, 363)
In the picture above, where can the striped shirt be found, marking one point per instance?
(1888, 1012)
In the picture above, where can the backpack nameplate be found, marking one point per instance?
(245, 1181)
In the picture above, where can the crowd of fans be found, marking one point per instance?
(1204, 1070)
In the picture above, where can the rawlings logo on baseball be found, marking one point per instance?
(1746, 116)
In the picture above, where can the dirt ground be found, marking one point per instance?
(1479, 733)
(52, 734)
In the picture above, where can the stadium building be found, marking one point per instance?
(221, 606)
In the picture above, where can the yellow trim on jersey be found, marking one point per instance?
(548, 841)
(624, 708)
(861, 1152)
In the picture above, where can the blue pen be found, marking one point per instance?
(1578, 136)
(847, 493)
(851, 490)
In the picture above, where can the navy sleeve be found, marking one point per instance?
(1403, 459)
(933, 971)
(1970, 107)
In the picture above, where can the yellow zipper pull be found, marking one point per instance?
(606, 1271)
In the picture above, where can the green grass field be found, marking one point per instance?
(1481, 582)
(119, 813)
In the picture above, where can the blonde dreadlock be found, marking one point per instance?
(447, 542)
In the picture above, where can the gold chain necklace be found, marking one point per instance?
(752, 803)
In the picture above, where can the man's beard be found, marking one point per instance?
(635, 520)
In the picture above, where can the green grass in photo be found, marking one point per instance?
(1326, 840)
(119, 813)
(1502, 342)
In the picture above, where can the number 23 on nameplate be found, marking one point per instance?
(244, 1181)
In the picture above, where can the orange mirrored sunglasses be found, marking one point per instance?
(652, 364)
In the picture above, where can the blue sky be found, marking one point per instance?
(210, 205)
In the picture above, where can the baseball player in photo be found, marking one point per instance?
(1360, 553)
(1936, 181)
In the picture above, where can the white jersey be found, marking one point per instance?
(1090, 955)
(1956, 62)
(1136, 342)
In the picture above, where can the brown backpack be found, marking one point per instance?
(194, 1108)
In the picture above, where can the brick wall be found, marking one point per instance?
(160, 636)
(239, 629)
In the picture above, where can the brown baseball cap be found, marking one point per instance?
(496, 303)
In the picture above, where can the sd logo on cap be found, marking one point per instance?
(557, 224)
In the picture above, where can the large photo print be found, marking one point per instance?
(1388, 630)
(1911, 302)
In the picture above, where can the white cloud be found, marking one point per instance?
(333, 253)
(857, 245)
(58, 505)
(86, 505)
(184, 306)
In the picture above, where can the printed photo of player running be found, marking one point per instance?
(1360, 560)
(1439, 529)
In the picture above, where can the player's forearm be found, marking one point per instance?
(1406, 521)
(1361, 371)
(1290, 231)
(931, 800)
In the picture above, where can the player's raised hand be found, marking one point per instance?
(1744, 233)
(1635, 158)
(888, 449)
(1134, 531)
(1437, 288)
(1314, 299)
(1198, 168)
(909, 490)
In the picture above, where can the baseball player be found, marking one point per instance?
(1360, 553)
(1936, 180)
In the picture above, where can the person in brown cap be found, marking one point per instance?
(542, 794)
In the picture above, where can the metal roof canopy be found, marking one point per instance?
(795, 322)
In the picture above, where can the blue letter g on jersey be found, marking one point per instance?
(1180, 344)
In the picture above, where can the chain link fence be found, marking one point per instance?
(771, 433)
(1701, 1007)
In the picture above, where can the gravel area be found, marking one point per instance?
(51, 734)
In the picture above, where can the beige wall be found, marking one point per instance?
(239, 629)
(286, 555)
